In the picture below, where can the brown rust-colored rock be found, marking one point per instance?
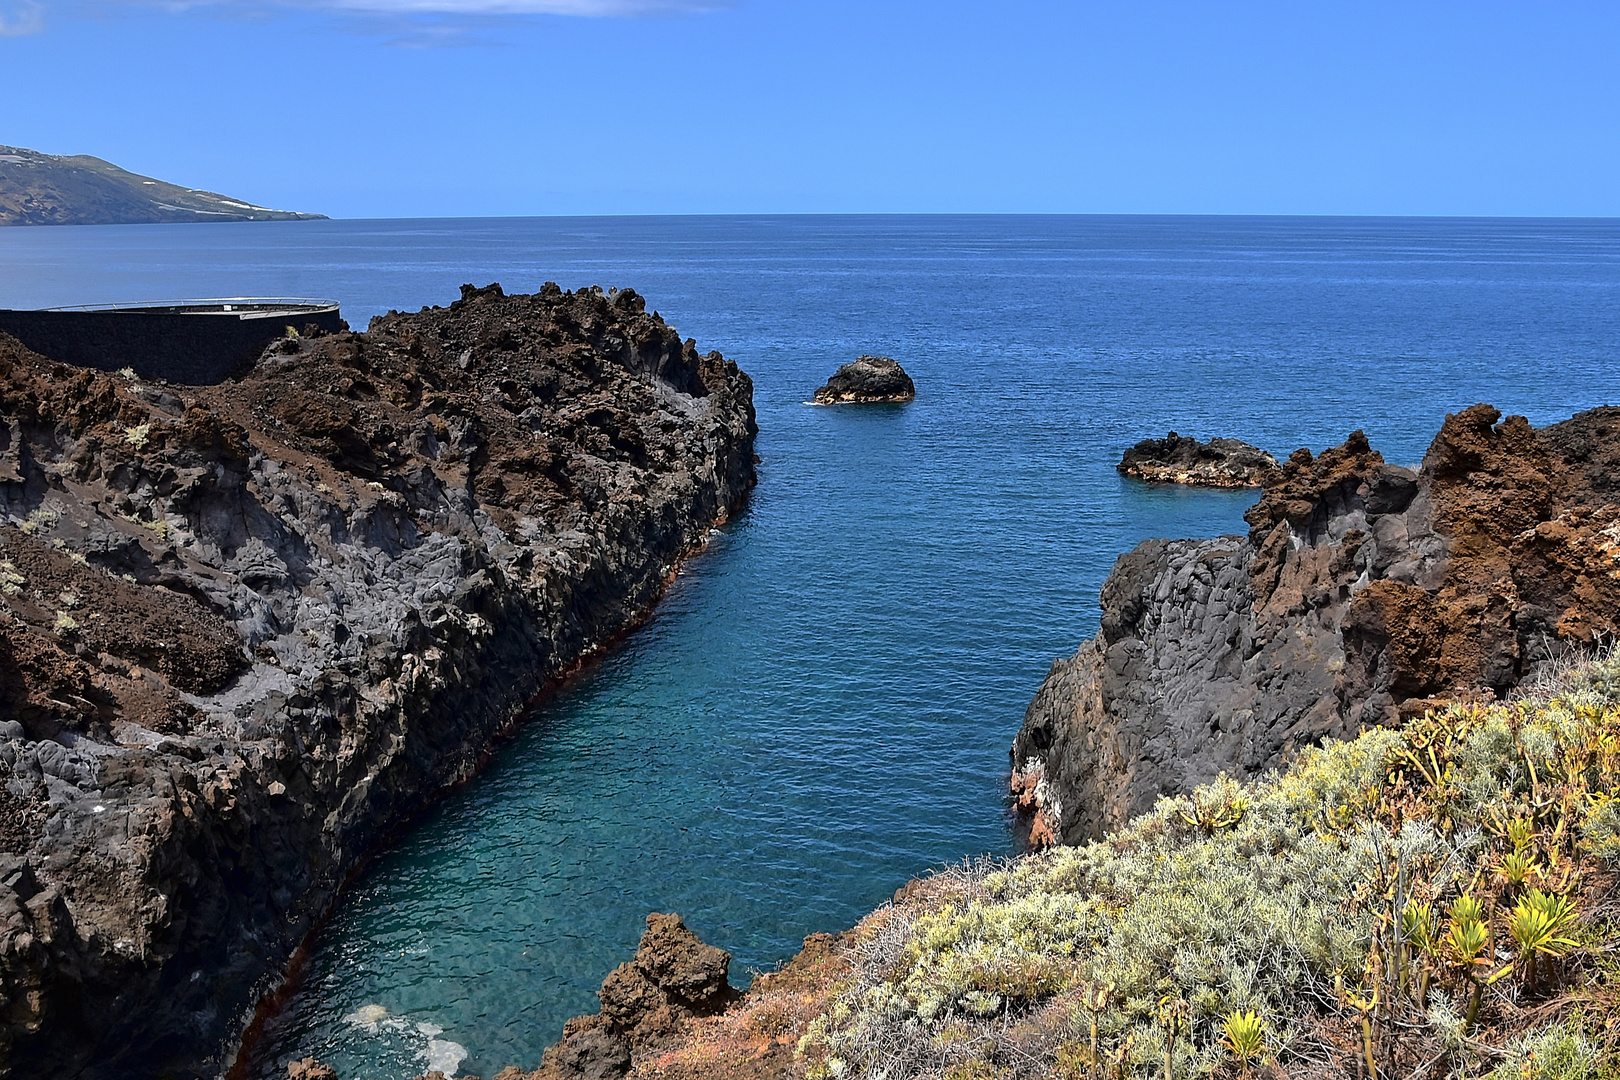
(669, 1014)
(1363, 592)
(246, 629)
(673, 979)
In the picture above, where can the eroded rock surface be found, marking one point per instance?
(1362, 591)
(245, 629)
(646, 1003)
(867, 379)
(1178, 459)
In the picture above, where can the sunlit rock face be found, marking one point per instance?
(1363, 592)
(245, 629)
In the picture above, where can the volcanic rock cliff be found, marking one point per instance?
(245, 629)
(1363, 592)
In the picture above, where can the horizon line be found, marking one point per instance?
(867, 214)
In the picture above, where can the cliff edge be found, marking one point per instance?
(245, 629)
(1362, 594)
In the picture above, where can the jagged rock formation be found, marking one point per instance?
(1177, 459)
(1363, 592)
(671, 1014)
(246, 629)
(866, 380)
(47, 189)
(645, 1002)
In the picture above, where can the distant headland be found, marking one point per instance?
(45, 189)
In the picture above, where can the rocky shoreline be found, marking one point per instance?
(1367, 597)
(1364, 593)
(248, 628)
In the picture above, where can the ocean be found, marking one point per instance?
(820, 708)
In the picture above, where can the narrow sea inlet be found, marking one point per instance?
(821, 706)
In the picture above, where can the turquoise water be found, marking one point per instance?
(821, 707)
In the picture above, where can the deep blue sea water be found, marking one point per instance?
(820, 708)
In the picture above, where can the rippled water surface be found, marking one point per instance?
(821, 707)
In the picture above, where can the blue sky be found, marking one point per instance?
(368, 108)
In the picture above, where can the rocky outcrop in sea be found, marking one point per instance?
(247, 629)
(671, 1013)
(1178, 459)
(867, 380)
(1363, 593)
(646, 1002)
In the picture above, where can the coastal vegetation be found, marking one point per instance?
(1438, 899)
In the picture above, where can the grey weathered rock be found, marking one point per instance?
(868, 380)
(247, 629)
(1362, 593)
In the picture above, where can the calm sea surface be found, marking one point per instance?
(822, 705)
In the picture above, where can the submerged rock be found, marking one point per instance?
(1177, 459)
(247, 629)
(867, 379)
(1363, 593)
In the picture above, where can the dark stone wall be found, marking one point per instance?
(197, 348)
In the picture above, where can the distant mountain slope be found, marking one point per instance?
(43, 189)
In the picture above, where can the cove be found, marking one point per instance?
(821, 706)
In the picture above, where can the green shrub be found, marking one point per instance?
(1393, 875)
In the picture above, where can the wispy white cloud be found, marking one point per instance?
(581, 8)
(19, 17)
(586, 8)
(412, 22)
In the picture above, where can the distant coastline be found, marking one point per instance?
(45, 189)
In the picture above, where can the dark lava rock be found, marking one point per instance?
(247, 629)
(1362, 594)
(867, 379)
(1178, 459)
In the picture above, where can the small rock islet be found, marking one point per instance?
(867, 380)
(1178, 459)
